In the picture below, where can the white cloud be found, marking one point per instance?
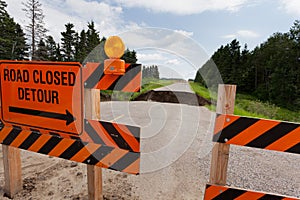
(247, 34)
(173, 62)
(291, 6)
(185, 33)
(167, 49)
(185, 7)
(108, 19)
(150, 58)
(166, 41)
(242, 34)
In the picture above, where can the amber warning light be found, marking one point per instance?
(114, 49)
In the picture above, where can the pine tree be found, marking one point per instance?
(92, 37)
(144, 72)
(12, 39)
(246, 72)
(20, 51)
(7, 44)
(68, 44)
(41, 52)
(36, 27)
(150, 72)
(76, 47)
(58, 54)
(51, 49)
(129, 56)
(270, 72)
(295, 32)
(155, 72)
(81, 47)
(3, 6)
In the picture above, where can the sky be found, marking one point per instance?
(177, 35)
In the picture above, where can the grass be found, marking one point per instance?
(202, 91)
(147, 85)
(151, 84)
(246, 105)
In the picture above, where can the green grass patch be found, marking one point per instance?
(151, 84)
(147, 85)
(247, 105)
(202, 91)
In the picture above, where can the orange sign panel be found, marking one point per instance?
(42, 95)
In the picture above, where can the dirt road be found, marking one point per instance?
(175, 160)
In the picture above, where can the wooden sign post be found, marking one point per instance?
(94, 173)
(220, 152)
(12, 170)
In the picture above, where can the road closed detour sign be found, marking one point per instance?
(42, 95)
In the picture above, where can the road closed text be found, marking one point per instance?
(38, 84)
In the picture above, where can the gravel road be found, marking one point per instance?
(176, 150)
(178, 87)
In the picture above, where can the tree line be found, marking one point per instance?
(12, 37)
(270, 72)
(150, 72)
(37, 45)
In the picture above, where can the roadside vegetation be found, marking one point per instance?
(270, 72)
(267, 77)
(147, 85)
(151, 84)
(247, 105)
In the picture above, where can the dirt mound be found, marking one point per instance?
(173, 97)
(105, 97)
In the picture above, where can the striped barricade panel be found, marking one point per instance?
(258, 133)
(71, 149)
(112, 134)
(94, 78)
(214, 192)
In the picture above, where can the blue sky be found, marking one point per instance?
(209, 23)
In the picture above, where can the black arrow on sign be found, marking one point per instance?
(68, 117)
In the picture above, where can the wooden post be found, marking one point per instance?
(94, 173)
(92, 104)
(220, 152)
(94, 177)
(12, 170)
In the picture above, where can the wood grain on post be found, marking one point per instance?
(12, 170)
(92, 104)
(220, 151)
(94, 177)
(94, 173)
